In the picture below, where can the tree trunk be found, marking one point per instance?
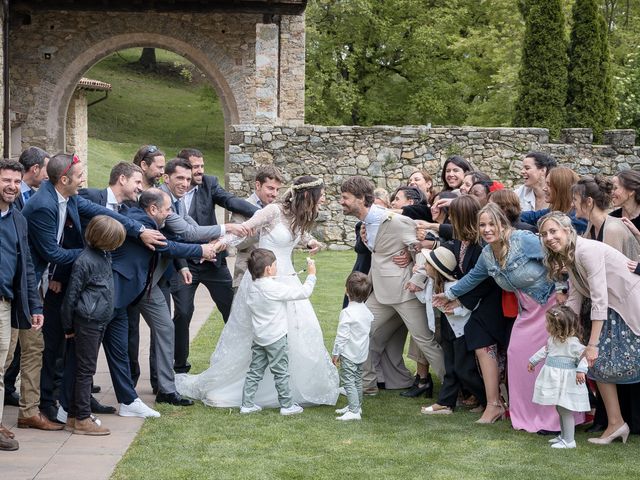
(148, 58)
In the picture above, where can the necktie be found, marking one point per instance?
(176, 206)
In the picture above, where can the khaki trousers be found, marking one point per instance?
(384, 326)
(32, 345)
(5, 341)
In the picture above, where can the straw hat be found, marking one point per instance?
(443, 260)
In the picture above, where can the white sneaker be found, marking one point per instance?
(349, 416)
(62, 416)
(563, 444)
(137, 408)
(556, 439)
(252, 409)
(292, 410)
(342, 391)
(346, 409)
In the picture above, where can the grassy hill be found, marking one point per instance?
(165, 107)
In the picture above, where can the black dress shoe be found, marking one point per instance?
(97, 407)
(182, 368)
(420, 386)
(96, 388)
(154, 390)
(173, 399)
(12, 399)
(548, 432)
(596, 428)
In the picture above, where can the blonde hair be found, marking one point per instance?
(556, 262)
(562, 323)
(498, 217)
(382, 195)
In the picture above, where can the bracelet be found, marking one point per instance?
(592, 345)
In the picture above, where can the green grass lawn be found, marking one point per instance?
(159, 108)
(392, 441)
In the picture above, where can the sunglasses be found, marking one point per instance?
(149, 149)
(74, 161)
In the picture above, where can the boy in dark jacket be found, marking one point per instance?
(87, 307)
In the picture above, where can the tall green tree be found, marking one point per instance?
(543, 69)
(590, 99)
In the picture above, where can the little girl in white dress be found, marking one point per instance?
(561, 381)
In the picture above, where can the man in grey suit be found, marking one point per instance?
(387, 234)
(194, 197)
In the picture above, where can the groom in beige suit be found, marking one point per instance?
(387, 234)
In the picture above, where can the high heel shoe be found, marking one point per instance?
(622, 433)
(495, 418)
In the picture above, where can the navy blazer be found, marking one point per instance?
(41, 212)
(131, 262)
(26, 301)
(94, 195)
(19, 201)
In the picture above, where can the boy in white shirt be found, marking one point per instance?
(351, 346)
(267, 302)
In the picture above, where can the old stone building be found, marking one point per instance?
(251, 51)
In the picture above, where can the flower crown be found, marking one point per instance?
(316, 183)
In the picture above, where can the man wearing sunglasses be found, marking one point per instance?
(151, 161)
(55, 237)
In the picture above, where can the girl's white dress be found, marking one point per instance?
(313, 378)
(556, 382)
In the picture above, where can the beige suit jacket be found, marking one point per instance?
(394, 234)
(600, 273)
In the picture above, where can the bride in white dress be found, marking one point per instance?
(313, 378)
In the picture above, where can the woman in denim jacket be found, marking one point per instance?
(514, 259)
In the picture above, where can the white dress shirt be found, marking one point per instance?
(527, 198)
(267, 301)
(352, 338)
(62, 214)
(188, 198)
(372, 223)
(112, 201)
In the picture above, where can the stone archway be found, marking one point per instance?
(64, 89)
(255, 62)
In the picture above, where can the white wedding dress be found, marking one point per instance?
(312, 377)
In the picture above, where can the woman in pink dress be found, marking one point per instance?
(514, 259)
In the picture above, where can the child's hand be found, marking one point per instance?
(311, 266)
(335, 359)
(580, 378)
(530, 367)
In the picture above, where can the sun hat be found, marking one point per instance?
(443, 260)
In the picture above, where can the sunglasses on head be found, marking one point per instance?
(74, 160)
(149, 149)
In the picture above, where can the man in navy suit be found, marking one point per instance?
(125, 184)
(199, 200)
(136, 275)
(34, 161)
(56, 240)
(20, 306)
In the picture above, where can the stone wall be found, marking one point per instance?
(388, 155)
(51, 50)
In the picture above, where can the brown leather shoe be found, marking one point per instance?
(7, 443)
(40, 422)
(4, 430)
(70, 425)
(88, 426)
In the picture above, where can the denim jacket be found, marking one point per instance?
(523, 269)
